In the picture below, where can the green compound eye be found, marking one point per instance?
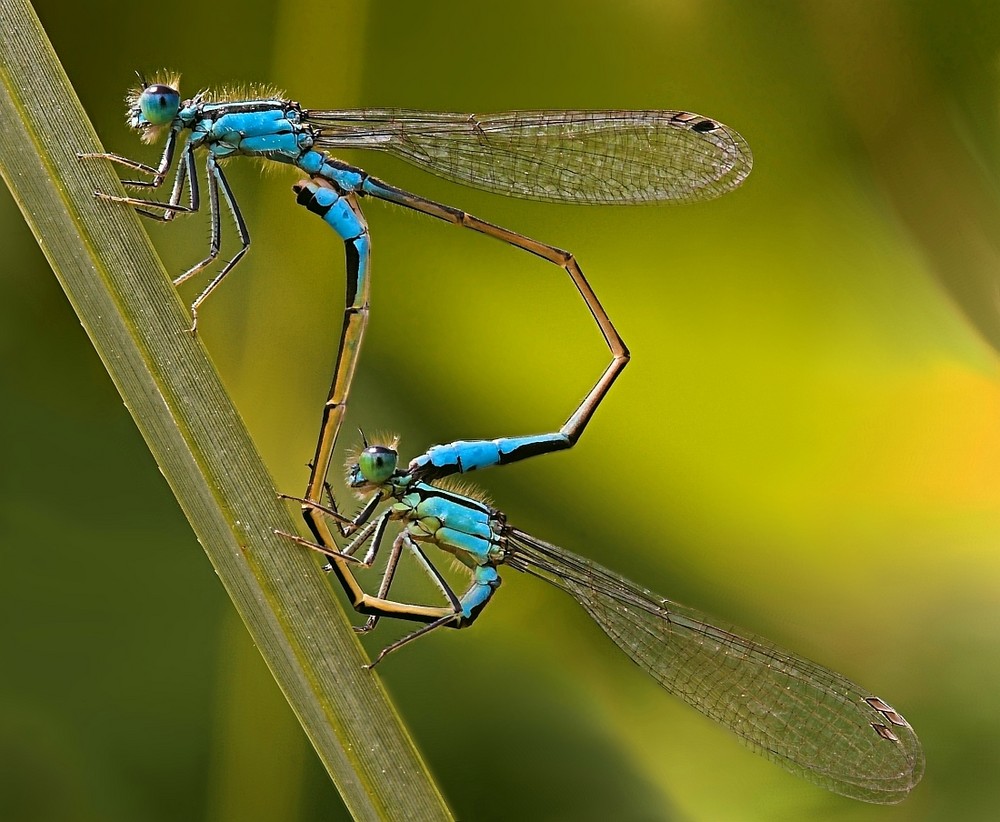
(159, 104)
(377, 464)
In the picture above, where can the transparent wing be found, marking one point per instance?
(808, 719)
(602, 157)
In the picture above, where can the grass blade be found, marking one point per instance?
(124, 299)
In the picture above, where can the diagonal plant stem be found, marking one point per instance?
(124, 299)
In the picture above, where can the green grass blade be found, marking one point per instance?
(124, 299)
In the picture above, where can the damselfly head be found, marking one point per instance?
(375, 464)
(153, 105)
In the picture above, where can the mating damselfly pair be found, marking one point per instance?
(811, 720)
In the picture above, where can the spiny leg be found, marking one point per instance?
(440, 622)
(404, 539)
(166, 211)
(186, 175)
(373, 533)
(387, 577)
(159, 173)
(380, 605)
(455, 604)
(217, 179)
(345, 525)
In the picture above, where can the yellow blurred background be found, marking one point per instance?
(805, 443)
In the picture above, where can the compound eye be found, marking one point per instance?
(159, 104)
(377, 464)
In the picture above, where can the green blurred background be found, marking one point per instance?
(806, 442)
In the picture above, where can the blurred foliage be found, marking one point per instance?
(805, 442)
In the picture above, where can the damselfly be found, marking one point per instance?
(597, 157)
(807, 718)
